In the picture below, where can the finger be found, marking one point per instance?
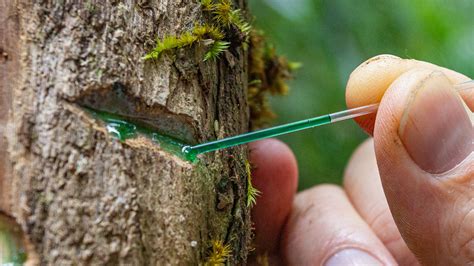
(275, 175)
(324, 228)
(364, 188)
(369, 81)
(424, 148)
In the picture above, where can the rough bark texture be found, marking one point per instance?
(82, 197)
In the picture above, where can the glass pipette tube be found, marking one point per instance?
(191, 152)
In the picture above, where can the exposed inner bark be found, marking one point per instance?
(116, 100)
(81, 196)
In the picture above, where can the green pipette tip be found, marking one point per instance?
(191, 152)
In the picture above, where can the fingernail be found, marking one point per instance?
(435, 128)
(352, 256)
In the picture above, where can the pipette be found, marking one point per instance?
(191, 152)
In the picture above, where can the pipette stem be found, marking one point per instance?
(192, 151)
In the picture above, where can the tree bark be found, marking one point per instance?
(83, 197)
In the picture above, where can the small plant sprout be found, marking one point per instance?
(225, 18)
(239, 21)
(216, 49)
(199, 33)
(252, 192)
(170, 42)
(222, 11)
(207, 31)
(219, 253)
(206, 5)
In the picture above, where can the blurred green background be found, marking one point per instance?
(331, 38)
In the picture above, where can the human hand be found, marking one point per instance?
(407, 195)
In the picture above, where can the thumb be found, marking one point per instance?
(368, 83)
(424, 147)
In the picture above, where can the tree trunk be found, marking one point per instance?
(84, 197)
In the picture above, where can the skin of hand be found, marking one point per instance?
(407, 196)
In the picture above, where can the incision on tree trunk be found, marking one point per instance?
(126, 117)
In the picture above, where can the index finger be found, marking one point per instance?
(275, 175)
